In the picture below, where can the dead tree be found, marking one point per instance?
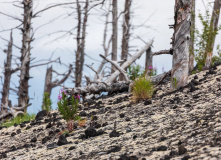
(213, 31)
(126, 32)
(7, 77)
(181, 43)
(81, 35)
(23, 98)
(49, 84)
(109, 84)
(192, 37)
(149, 60)
(106, 45)
(115, 33)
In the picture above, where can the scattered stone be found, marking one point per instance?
(49, 125)
(13, 134)
(13, 148)
(90, 132)
(44, 140)
(195, 77)
(18, 131)
(72, 148)
(28, 127)
(161, 148)
(147, 102)
(83, 114)
(41, 114)
(187, 157)
(122, 115)
(125, 157)
(114, 149)
(127, 119)
(15, 125)
(181, 149)
(52, 146)
(34, 139)
(22, 125)
(114, 133)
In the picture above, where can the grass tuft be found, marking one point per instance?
(19, 119)
(142, 89)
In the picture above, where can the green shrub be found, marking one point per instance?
(68, 108)
(135, 72)
(19, 119)
(142, 88)
(204, 40)
(46, 104)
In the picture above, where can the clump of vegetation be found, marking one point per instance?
(19, 119)
(68, 108)
(142, 89)
(152, 71)
(46, 104)
(135, 72)
(204, 41)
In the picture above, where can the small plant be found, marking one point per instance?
(152, 71)
(142, 89)
(19, 119)
(46, 104)
(82, 122)
(68, 107)
(135, 72)
(174, 83)
(204, 41)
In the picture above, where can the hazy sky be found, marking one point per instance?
(158, 14)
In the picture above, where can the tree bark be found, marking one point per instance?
(126, 32)
(81, 35)
(192, 37)
(149, 60)
(181, 43)
(7, 77)
(49, 84)
(214, 27)
(23, 99)
(114, 34)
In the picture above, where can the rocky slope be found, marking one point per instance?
(184, 124)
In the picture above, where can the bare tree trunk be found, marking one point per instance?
(23, 99)
(181, 43)
(192, 37)
(149, 60)
(106, 47)
(115, 33)
(126, 32)
(214, 27)
(49, 84)
(81, 35)
(7, 77)
(48, 80)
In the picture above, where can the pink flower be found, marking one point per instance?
(59, 97)
(77, 97)
(150, 67)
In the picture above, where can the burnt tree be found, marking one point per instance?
(115, 33)
(213, 31)
(192, 37)
(149, 60)
(49, 84)
(126, 32)
(81, 35)
(23, 98)
(181, 43)
(7, 77)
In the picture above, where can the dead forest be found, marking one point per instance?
(117, 55)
